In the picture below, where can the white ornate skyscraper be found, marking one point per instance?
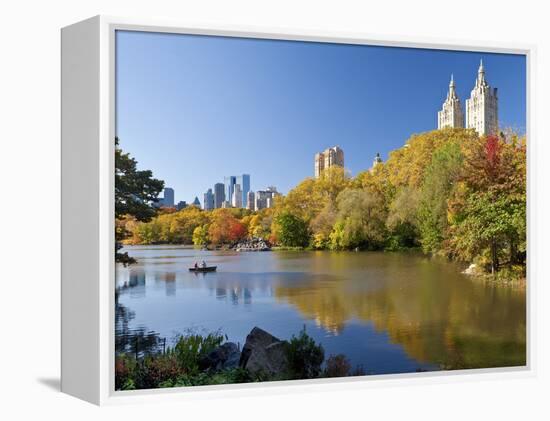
(451, 113)
(482, 107)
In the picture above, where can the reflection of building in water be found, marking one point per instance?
(236, 295)
(247, 296)
(137, 278)
(221, 293)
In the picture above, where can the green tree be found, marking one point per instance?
(135, 192)
(439, 179)
(361, 220)
(304, 356)
(291, 230)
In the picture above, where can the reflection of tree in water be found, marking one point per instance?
(454, 324)
(138, 341)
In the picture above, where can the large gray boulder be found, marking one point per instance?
(224, 357)
(263, 352)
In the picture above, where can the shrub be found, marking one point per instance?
(155, 370)
(190, 348)
(304, 356)
(337, 366)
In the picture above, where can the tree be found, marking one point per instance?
(361, 220)
(200, 235)
(304, 356)
(135, 192)
(291, 230)
(439, 179)
(225, 228)
(488, 210)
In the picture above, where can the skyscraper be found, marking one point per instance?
(237, 199)
(229, 183)
(244, 182)
(168, 200)
(250, 203)
(197, 202)
(482, 107)
(219, 195)
(328, 158)
(208, 203)
(451, 112)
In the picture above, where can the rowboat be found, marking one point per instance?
(203, 269)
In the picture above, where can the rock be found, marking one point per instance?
(471, 270)
(224, 357)
(252, 244)
(264, 352)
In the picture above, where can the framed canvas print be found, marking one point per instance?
(244, 209)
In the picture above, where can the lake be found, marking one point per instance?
(387, 312)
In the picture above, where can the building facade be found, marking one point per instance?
(237, 199)
(208, 202)
(250, 202)
(219, 195)
(229, 183)
(451, 113)
(265, 198)
(244, 181)
(482, 107)
(328, 158)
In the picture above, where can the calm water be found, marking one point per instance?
(388, 312)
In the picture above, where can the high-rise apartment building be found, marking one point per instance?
(328, 158)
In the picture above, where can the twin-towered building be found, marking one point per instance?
(481, 108)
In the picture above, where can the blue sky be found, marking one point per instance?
(194, 109)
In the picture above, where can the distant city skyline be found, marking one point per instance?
(195, 108)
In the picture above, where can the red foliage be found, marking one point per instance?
(225, 228)
(492, 153)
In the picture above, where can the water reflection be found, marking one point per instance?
(388, 312)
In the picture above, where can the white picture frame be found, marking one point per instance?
(88, 270)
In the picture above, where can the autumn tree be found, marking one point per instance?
(488, 210)
(361, 220)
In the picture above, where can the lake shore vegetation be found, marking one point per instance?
(446, 192)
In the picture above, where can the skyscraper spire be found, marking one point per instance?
(481, 74)
(482, 106)
(451, 112)
(452, 93)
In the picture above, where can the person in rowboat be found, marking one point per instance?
(203, 264)
(196, 265)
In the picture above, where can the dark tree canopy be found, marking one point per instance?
(135, 193)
